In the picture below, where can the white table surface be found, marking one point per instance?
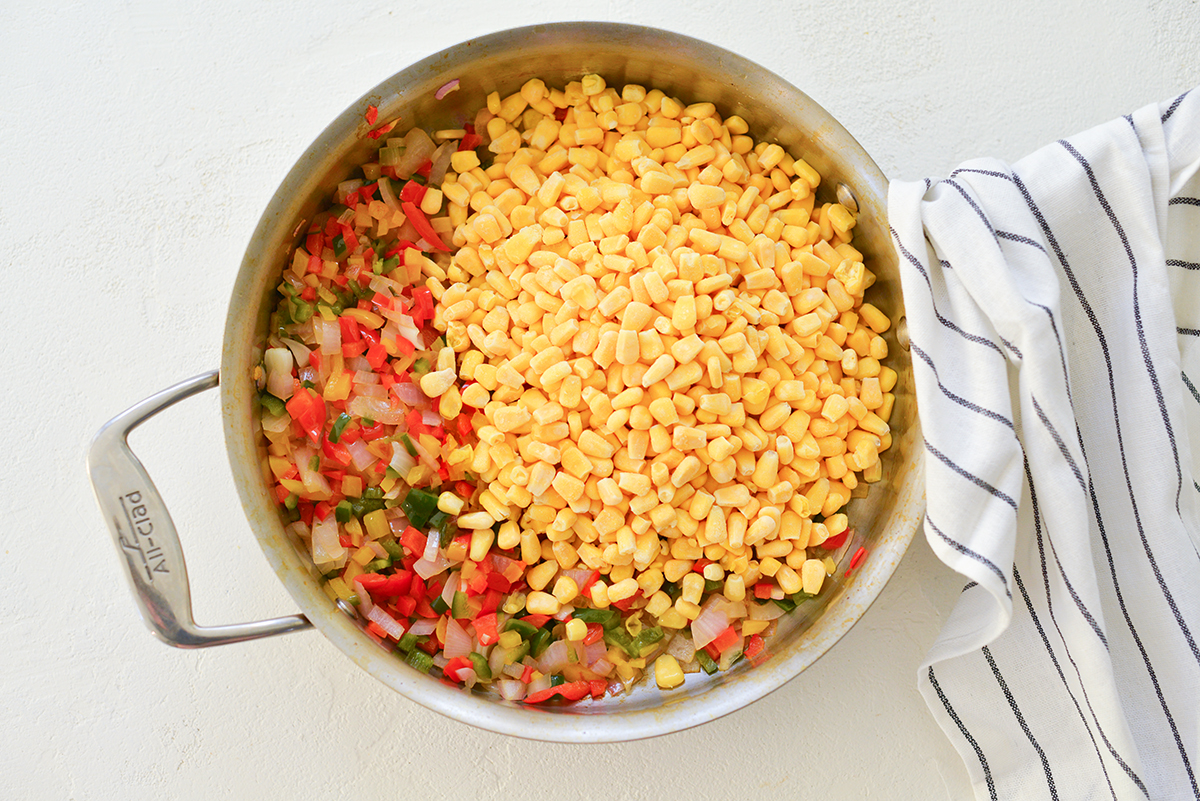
(140, 141)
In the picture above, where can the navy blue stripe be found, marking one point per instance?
(987, 773)
(1024, 240)
(1191, 387)
(965, 551)
(999, 418)
(1174, 106)
(1062, 573)
(1158, 395)
(1012, 703)
(976, 480)
(947, 323)
(1033, 615)
(973, 205)
(1062, 446)
(1037, 212)
(1184, 201)
(1187, 265)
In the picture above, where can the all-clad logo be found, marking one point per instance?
(139, 539)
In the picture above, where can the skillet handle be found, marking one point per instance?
(146, 537)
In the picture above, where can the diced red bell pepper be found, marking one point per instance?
(625, 603)
(470, 142)
(350, 238)
(454, 666)
(491, 601)
(406, 605)
(598, 687)
(344, 540)
(537, 621)
(336, 451)
(373, 432)
(485, 628)
(308, 410)
(352, 349)
(413, 540)
(350, 329)
(498, 582)
(376, 629)
(371, 115)
(587, 585)
(425, 609)
(754, 646)
(571, 691)
(762, 590)
(392, 586)
(376, 355)
(315, 265)
(836, 541)
(477, 584)
(527, 674)
(595, 633)
(412, 192)
(422, 304)
(725, 640)
(417, 589)
(421, 223)
(314, 242)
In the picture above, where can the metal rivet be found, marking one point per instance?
(845, 196)
(347, 608)
(902, 338)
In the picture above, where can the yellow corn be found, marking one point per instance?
(667, 672)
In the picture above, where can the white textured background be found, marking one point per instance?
(139, 142)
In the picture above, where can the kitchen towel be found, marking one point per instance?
(1054, 313)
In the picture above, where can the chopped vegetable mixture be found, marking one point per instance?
(576, 389)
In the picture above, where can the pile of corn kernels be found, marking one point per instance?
(668, 340)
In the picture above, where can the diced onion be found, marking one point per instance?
(427, 568)
(360, 455)
(555, 658)
(326, 548)
(431, 418)
(601, 666)
(594, 651)
(711, 622)
(767, 611)
(410, 394)
(468, 677)
(275, 423)
(446, 89)
(388, 195)
(422, 627)
(299, 350)
(329, 334)
(418, 147)
(379, 410)
(458, 642)
(452, 582)
(278, 363)
(538, 684)
(510, 689)
(393, 627)
(682, 649)
(402, 460)
(441, 161)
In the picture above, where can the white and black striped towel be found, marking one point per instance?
(1054, 308)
